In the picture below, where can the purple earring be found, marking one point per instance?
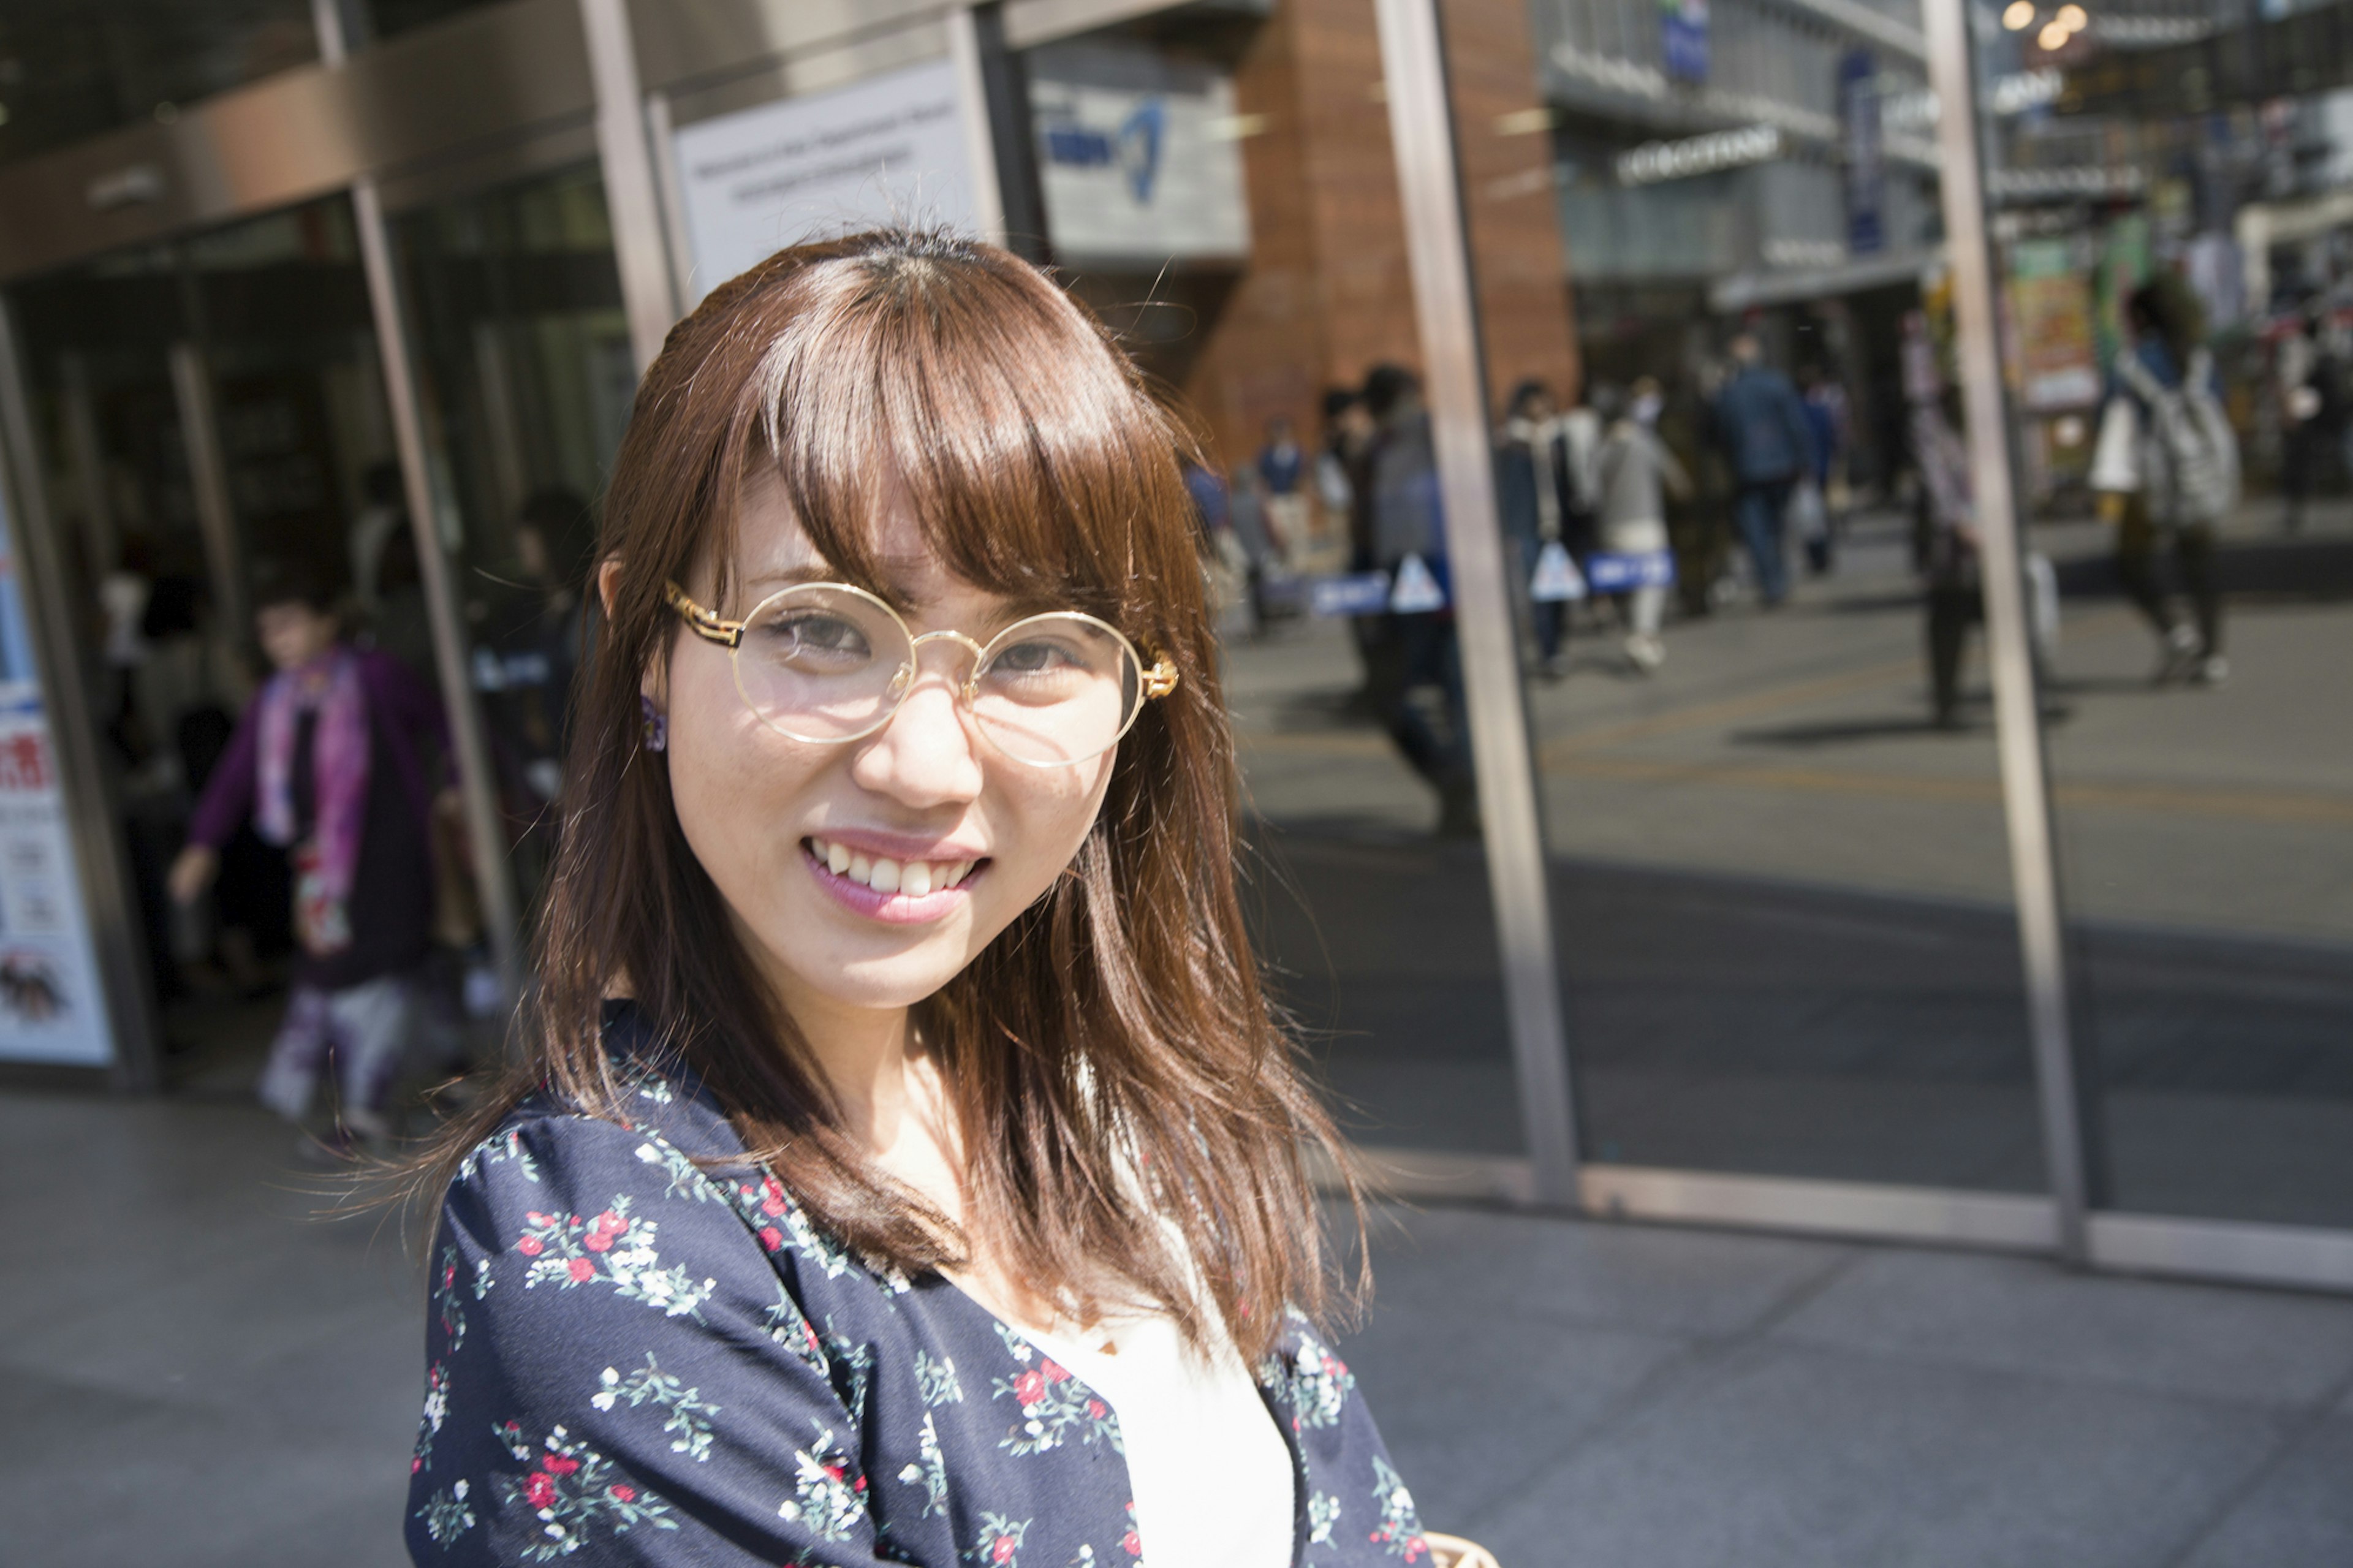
(656, 731)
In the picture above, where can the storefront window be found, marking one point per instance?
(2182, 289)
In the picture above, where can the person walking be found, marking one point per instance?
(329, 762)
(903, 1163)
(1768, 444)
(1633, 474)
(2166, 470)
(1532, 505)
(2307, 384)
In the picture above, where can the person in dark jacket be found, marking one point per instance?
(1770, 444)
(329, 762)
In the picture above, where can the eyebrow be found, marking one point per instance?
(895, 569)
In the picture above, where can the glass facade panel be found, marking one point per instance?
(212, 412)
(1192, 189)
(2182, 285)
(526, 379)
(68, 70)
(1748, 590)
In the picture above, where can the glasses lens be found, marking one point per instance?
(1057, 688)
(819, 664)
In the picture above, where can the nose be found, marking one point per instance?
(927, 755)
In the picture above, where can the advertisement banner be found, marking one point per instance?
(51, 1008)
(889, 149)
(2051, 316)
(1138, 155)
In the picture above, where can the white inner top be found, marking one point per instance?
(1212, 1473)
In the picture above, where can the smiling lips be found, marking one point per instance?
(910, 878)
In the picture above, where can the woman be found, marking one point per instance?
(906, 1167)
(329, 764)
(1634, 472)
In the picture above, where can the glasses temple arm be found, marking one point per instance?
(707, 625)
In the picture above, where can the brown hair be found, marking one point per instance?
(1118, 1023)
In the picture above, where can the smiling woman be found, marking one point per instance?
(903, 1164)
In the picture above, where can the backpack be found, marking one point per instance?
(2189, 457)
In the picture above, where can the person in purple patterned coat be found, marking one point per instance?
(903, 1163)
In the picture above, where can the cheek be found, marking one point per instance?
(729, 781)
(1043, 822)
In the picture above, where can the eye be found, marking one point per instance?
(1035, 656)
(813, 639)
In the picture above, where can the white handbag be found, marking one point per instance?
(2115, 456)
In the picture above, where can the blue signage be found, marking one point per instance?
(1616, 573)
(1866, 165)
(1683, 38)
(1350, 593)
(1134, 149)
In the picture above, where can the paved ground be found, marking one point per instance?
(199, 1374)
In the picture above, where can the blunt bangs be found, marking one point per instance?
(1035, 463)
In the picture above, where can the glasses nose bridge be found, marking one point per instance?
(962, 688)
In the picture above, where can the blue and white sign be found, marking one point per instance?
(1617, 573)
(1138, 155)
(889, 149)
(1349, 594)
(1683, 39)
(1866, 164)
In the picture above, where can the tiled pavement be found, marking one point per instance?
(197, 1372)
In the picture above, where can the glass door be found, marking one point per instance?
(2170, 215)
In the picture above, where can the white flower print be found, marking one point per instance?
(567, 1250)
(447, 1515)
(1323, 1513)
(824, 1497)
(936, 1379)
(689, 1418)
(931, 1471)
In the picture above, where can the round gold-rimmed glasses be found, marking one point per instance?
(828, 662)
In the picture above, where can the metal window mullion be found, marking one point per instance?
(1439, 257)
(478, 788)
(632, 201)
(2025, 774)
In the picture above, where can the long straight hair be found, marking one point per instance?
(1136, 1125)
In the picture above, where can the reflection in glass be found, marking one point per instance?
(2183, 412)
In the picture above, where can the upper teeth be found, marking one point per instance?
(913, 878)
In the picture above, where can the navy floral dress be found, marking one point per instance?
(631, 1359)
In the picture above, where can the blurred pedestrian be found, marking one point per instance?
(2165, 469)
(1532, 503)
(2309, 386)
(1949, 531)
(1415, 667)
(329, 762)
(1633, 474)
(1280, 476)
(1769, 442)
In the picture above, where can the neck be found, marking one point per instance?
(863, 1053)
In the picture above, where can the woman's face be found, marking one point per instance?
(926, 790)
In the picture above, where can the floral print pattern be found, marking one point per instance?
(630, 1327)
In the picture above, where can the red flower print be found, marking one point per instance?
(562, 1464)
(540, 1220)
(1029, 1387)
(1133, 1547)
(1053, 1372)
(581, 1270)
(598, 1241)
(540, 1489)
(626, 1494)
(528, 1246)
(610, 1223)
(1003, 1551)
(415, 1465)
(1095, 1408)
(771, 1237)
(449, 1275)
(772, 1197)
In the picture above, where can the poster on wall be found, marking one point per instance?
(1139, 157)
(2051, 318)
(889, 149)
(51, 1008)
(1683, 39)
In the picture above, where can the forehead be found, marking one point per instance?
(774, 550)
